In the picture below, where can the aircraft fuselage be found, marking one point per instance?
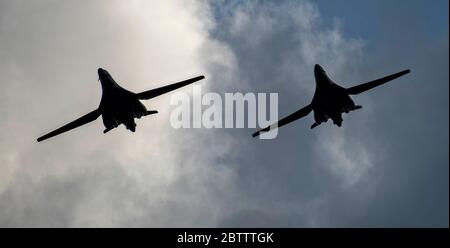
(118, 105)
(330, 100)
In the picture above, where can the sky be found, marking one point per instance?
(387, 166)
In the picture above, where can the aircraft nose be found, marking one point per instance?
(318, 68)
(101, 71)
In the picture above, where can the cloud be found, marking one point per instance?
(276, 46)
(348, 176)
(159, 177)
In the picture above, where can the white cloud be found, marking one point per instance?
(155, 177)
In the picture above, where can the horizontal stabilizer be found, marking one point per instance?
(151, 112)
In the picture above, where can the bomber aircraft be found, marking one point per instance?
(330, 100)
(118, 105)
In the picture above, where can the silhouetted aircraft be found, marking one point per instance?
(330, 100)
(118, 105)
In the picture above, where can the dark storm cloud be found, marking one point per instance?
(276, 46)
(413, 189)
(388, 165)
